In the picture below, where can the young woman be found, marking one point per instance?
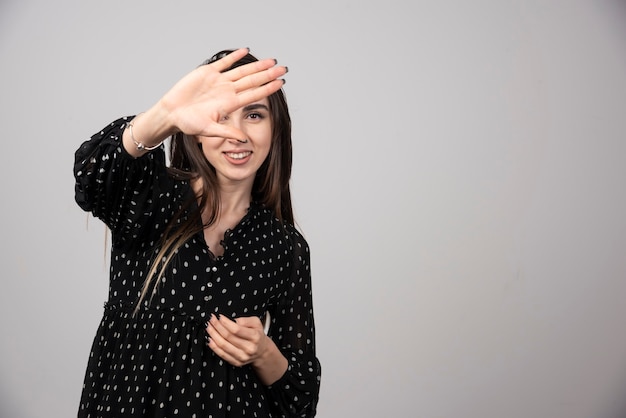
(209, 312)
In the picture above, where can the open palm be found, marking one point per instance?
(196, 104)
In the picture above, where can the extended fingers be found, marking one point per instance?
(250, 68)
(258, 75)
(258, 93)
(226, 61)
(253, 81)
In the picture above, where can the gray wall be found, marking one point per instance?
(459, 174)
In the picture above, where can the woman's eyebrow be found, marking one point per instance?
(255, 106)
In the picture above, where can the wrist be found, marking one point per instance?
(271, 364)
(145, 132)
(162, 120)
(140, 145)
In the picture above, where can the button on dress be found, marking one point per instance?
(155, 362)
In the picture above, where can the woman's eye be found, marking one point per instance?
(255, 116)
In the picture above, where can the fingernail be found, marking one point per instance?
(284, 81)
(286, 69)
(275, 61)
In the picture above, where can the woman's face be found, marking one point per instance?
(235, 162)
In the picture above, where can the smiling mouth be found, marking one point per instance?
(238, 155)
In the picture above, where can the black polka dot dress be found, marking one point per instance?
(155, 362)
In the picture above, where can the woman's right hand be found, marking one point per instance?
(197, 103)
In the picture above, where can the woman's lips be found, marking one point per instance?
(237, 157)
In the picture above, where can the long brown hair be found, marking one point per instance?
(270, 188)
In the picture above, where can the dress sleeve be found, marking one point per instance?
(115, 187)
(292, 328)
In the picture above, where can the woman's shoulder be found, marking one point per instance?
(268, 218)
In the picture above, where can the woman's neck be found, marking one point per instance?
(235, 198)
(234, 204)
(234, 201)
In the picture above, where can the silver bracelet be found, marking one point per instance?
(140, 146)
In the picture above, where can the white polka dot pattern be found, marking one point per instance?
(156, 363)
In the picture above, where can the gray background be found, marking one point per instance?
(459, 174)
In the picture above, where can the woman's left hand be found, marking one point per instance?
(239, 343)
(244, 342)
